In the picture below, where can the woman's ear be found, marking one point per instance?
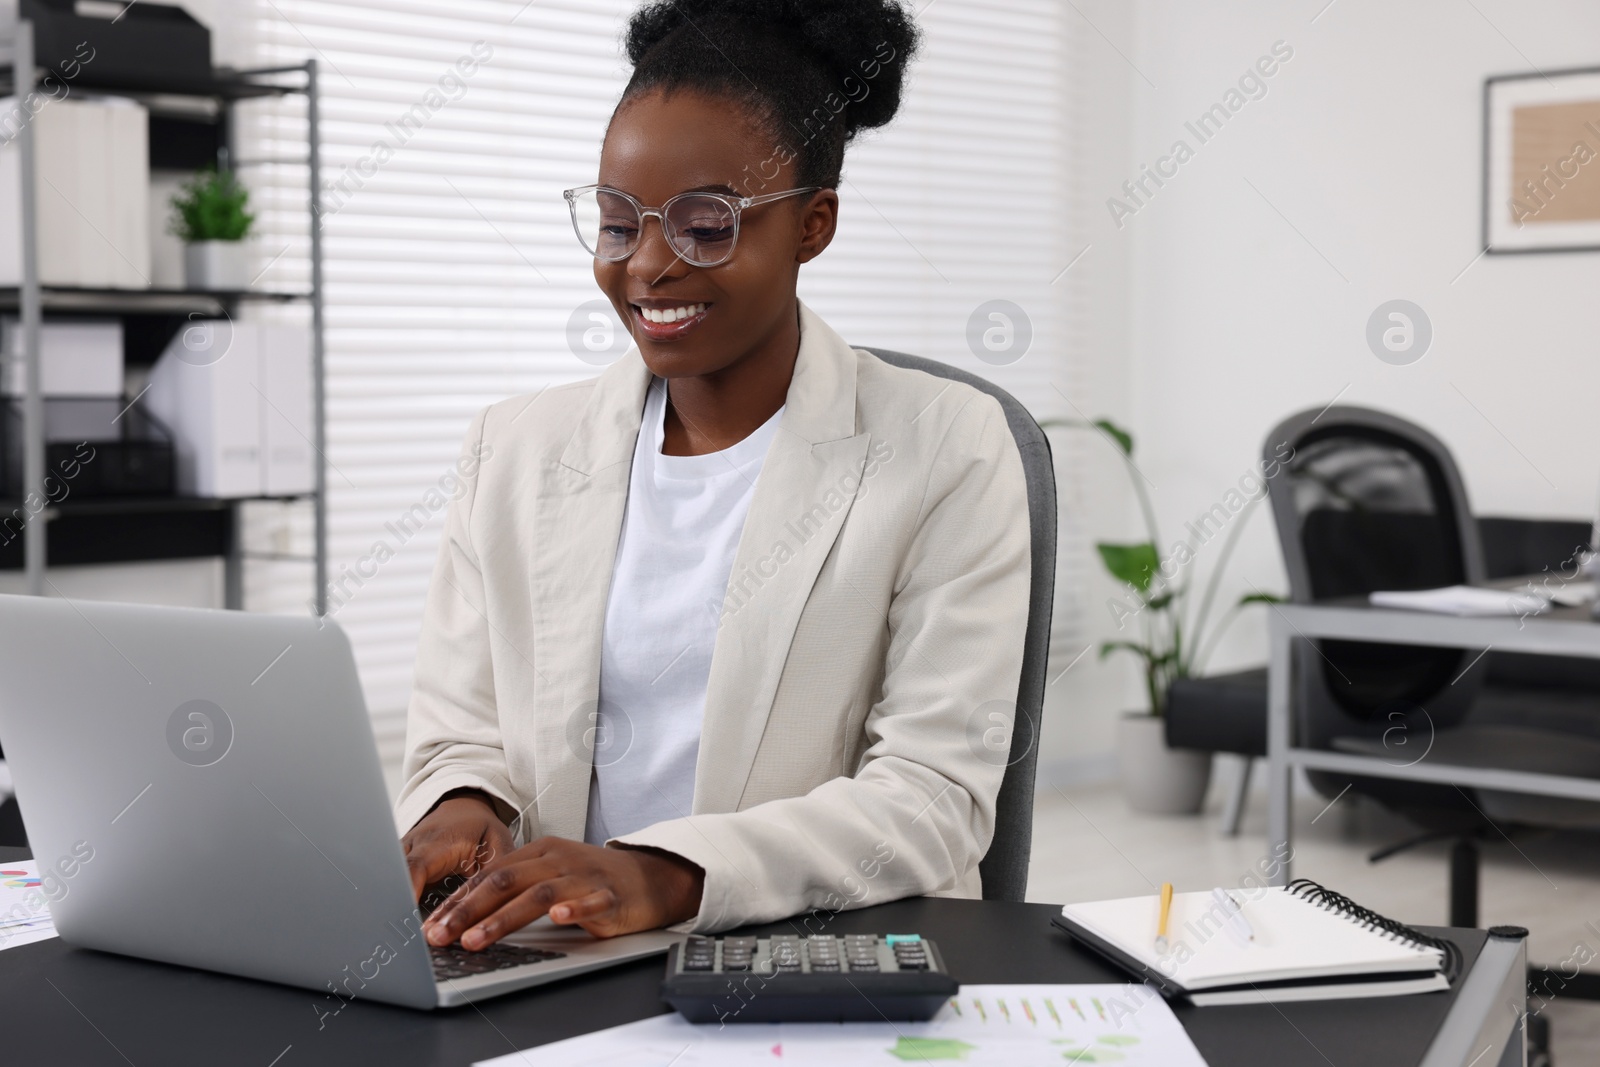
(819, 218)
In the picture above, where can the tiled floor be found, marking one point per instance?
(1088, 845)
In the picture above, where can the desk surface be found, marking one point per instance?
(65, 1005)
(1561, 631)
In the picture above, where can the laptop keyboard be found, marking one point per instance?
(453, 961)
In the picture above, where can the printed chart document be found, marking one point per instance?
(983, 1026)
(24, 912)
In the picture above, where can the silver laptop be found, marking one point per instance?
(202, 788)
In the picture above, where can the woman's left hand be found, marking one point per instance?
(607, 891)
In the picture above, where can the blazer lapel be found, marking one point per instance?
(806, 487)
(577, 522)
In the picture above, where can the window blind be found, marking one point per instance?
(452, 275)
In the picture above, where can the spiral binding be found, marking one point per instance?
(1325, 898)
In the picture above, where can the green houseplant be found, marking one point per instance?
(211, 215)
(1176, 633)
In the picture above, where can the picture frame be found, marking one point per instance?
(1541, 162)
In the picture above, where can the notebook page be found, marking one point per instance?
(1293, 939)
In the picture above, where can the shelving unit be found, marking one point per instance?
(129, 529)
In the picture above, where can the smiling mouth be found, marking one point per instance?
(669, 324)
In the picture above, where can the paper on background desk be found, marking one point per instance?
(1463, 600)
(984, 1026)
(24, 914)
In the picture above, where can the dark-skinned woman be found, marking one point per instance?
(716, 637)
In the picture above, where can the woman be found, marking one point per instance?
(848, 538)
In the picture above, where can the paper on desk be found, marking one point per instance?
(1462, 600)
(984, 1026)
(24, 911)
(16, 936)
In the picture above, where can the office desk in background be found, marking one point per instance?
(65, 1005)
(1560, 632)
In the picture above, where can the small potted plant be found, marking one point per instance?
(1171, 643)
(210, 215)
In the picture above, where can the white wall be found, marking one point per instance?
(1369, 144)
(1247, 304)
(1084, 693)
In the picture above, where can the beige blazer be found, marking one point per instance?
(867, 656)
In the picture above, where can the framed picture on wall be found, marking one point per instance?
(1541, 162)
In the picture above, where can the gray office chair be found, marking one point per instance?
(1005, 867)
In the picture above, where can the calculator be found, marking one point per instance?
(821, 978)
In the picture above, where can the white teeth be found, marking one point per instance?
(666, 315)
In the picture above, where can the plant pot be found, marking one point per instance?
(217, 265)
(1156, 779)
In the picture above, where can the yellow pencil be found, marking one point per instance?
(1166, 910)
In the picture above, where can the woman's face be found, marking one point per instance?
(661, 145)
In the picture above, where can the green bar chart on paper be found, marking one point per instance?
(1010, 1026)
(984, 1026)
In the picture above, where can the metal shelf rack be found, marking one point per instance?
(161, 527)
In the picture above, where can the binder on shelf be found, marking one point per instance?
(284, 378)
(92, 178)
(88, 204)
(204, 389)
(77, 358)
(128, 167)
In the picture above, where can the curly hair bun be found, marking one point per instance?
(819, 71)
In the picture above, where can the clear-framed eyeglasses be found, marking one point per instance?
(701, 228)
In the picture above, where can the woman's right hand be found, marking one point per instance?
(460, 836)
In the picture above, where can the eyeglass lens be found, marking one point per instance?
(699, 228)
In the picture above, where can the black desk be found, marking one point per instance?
(65, 1005)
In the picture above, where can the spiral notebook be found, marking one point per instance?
(1307, 943)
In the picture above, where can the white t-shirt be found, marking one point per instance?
(680, 530)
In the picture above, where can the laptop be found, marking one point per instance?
(203, 788)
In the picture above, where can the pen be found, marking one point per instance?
(1236, 919)
(1161, 926)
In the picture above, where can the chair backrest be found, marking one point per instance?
(1365, 500)
(1004, 867)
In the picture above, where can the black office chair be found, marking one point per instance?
(1004, 867)
(1228, 712)
(1369, 501)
